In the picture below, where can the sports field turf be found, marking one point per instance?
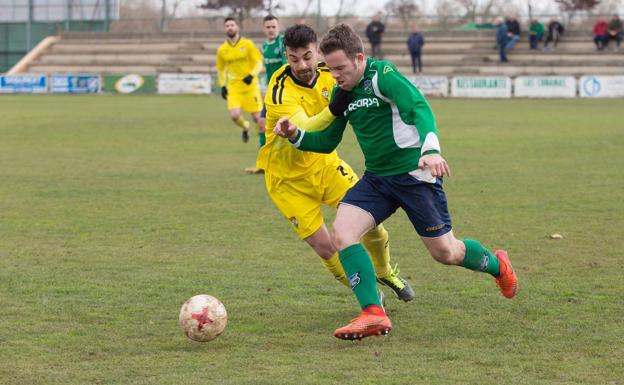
(115, 210)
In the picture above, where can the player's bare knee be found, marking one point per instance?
(340, 238)
(444, 255)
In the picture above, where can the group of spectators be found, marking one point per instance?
(605, 31)
(508, 34)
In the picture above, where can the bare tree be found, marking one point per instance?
(306, 9)
(175, 7)
(271, 6)
(406, 10)
(608, 7)
(339, 11)
(570, 8)
(138, 9)
(240, 8)
(473, 9)
(444, 11)
(577, 5)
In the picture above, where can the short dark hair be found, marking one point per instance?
(230, 18)
(269, 17)
(342, 37)
(299, 36)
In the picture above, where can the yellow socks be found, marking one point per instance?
(376, 242)
(333, 266)
(241, 122)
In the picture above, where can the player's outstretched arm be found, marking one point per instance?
(324, 141)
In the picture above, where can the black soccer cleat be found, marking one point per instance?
(398, 284)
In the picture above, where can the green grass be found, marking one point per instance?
(114, 210)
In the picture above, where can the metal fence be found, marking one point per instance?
(24, 23)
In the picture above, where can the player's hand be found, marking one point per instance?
(435, 163)
(224, 92)
(285, 128)
(340, 102)
(248, 79)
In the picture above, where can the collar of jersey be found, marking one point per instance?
(299, 82)
(233, 45)
(369, 67)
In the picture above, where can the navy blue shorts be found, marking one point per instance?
(263, 112)
(424, 203)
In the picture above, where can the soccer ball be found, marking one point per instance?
(203, 318)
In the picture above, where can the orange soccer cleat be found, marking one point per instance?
(507, 280)
(371, 321)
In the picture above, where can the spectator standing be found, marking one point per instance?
(513, 32)
(415, 42)
(601, 34)
(615, 30)
(374, 30)
(502, 38)
(555, 30)
(536, 33)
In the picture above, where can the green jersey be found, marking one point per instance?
(274, 54)
(392, 121)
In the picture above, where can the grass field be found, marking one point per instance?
(115, 210)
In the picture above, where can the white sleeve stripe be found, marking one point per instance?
(431, 143)
(298, 142)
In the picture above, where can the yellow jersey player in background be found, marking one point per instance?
(239, 62)
(299, 182)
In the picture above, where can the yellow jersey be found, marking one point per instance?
(288, 96)
(236, 61)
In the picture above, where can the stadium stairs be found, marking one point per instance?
(445, 53)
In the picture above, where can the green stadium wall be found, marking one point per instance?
(13, 37)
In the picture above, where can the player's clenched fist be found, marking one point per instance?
(435, 163)
(285, 128)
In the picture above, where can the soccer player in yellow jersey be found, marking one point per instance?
(299, 182)
(239, 62)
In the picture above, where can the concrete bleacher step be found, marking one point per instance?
(444, 54)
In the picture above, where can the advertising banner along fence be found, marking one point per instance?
(24, 84)
(481, 87)
(130, 84)
(601, 86)
(545, 87)
(184, 84)
(75, 84)
(432, 85)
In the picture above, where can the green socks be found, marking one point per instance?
(478, 258)
(262, 139)
(359, 268)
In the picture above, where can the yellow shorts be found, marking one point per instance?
(299, 200)
(249, 99)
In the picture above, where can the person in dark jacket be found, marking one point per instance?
(615, 30)
(513, 32)
(415, 42)
(501, 38)
(555, 30)
(373, 32)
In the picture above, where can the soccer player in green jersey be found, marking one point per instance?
(273, 49)
(396, 130)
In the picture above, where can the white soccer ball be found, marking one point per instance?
(203, 318)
